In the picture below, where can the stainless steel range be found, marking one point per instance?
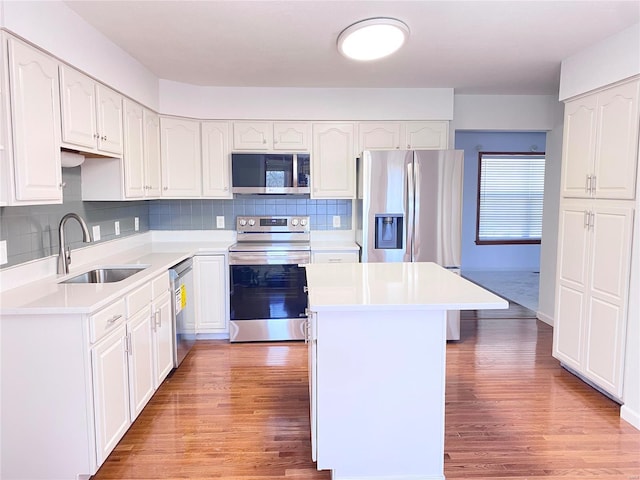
(267, 284)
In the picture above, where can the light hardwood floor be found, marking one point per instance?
(241, 412)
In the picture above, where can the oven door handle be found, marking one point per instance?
(272, 258)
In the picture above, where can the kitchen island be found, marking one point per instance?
(377, 366)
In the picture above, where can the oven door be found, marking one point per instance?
(267, 296)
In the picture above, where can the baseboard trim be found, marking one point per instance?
(544, 318)
(630, 416)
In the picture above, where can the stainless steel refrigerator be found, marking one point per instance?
(409, 209)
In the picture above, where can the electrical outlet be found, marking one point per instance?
(219, 221)
(336, 221)
(3, 252)
(136, 223)
(96, 233)
(117, 226)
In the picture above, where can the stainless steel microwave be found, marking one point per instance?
(275, 173)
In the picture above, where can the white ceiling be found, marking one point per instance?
(479, 47)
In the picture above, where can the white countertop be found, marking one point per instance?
(394, 286)
(43, 294)
(48, 296)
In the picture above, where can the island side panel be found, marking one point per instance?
(380, 393)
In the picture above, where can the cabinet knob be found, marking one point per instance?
(95, 135)
(408, 147)
(165, 188)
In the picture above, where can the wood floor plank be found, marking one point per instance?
(240, 411)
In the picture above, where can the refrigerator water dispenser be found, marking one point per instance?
(388, 231)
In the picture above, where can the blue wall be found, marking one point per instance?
(492, 257)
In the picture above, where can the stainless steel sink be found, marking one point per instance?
(106, 274)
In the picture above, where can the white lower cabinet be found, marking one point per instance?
(592, 289)
(140, 357)
(84, 378)
(162, 326)
(110, 391)
(337, 256)
(211, 294)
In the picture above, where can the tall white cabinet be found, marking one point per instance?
(599, 167)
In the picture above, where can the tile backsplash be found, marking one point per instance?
(31, 232)
(201, 214)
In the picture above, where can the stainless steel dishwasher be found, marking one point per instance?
(183, 306)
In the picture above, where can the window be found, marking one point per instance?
(510, 194)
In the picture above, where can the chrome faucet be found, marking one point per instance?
(64, 255)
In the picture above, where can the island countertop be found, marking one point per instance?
(397, 286)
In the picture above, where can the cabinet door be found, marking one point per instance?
(211, 293)
(134, 174)
(426, 135)
(291, 136)
(110, 131)
(140, 349)
(335, 257)
(36, 124)
(110, 391)
(216, 171)
(378, 136)
(152, 153)
(571, 290)
(313, 382)
(180, 154)
(578, 146)
(333, 163)
(616, 150)
(162, 338)
(252, 135)
(78, 96)
(608, 296)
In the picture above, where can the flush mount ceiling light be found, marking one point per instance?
(372, 38)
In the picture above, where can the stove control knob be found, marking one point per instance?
(252, 222)
(294, 222)
(303, 221)
(243, 222)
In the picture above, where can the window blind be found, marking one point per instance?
(510, 198)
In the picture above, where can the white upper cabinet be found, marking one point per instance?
(141, 151)
(422, 135)
(426, 135)
(35, 111)
(152, 166)
(333, 162)
(267, 136)
(92, 114)
(216, 171)
(379, 136)
(134, 171)
(181, 158)
(600, 144)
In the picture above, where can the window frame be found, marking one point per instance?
(524, 241)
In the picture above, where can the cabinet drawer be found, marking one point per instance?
(139, 299)
(160, 285)
(335, 257)
(106, 320)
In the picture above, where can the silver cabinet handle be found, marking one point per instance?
(113, 319)
(593, 184)
(592, 220)
(587, 184)
(158, 316)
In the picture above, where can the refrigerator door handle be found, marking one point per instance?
(410, 210)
